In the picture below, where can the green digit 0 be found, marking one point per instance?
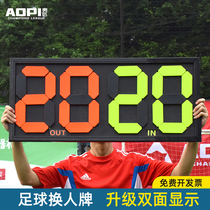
(186, 91)
(127, 99)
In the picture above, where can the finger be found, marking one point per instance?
(199, 106)
(9, 108)
(5, 119)
(202, 111)
(199, 110)
(9, 113)
(200, 100)
(201, 114)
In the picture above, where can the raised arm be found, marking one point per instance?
(25, 174)
(185, 165)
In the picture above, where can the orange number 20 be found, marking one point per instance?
(64, 106)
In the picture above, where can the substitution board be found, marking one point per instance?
(139, 99)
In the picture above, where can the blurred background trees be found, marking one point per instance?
(95, 29)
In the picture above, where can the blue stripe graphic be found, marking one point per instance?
(137, 170)
(69, 174)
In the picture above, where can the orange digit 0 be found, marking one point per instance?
(93, 92)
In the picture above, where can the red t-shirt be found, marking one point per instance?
(117, 170)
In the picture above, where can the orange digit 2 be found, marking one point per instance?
(65, 92)
(35, 99)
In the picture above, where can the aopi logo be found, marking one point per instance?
(27, 13)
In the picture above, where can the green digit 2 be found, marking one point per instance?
(127, 99)
(186, 106)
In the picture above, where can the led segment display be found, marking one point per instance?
(105, 99)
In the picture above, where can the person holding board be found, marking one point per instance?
(103, 166)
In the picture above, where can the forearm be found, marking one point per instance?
(25, 174)
(185, 165)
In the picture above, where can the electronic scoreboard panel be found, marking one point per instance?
(137, 99)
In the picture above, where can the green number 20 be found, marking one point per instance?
(157, 106)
